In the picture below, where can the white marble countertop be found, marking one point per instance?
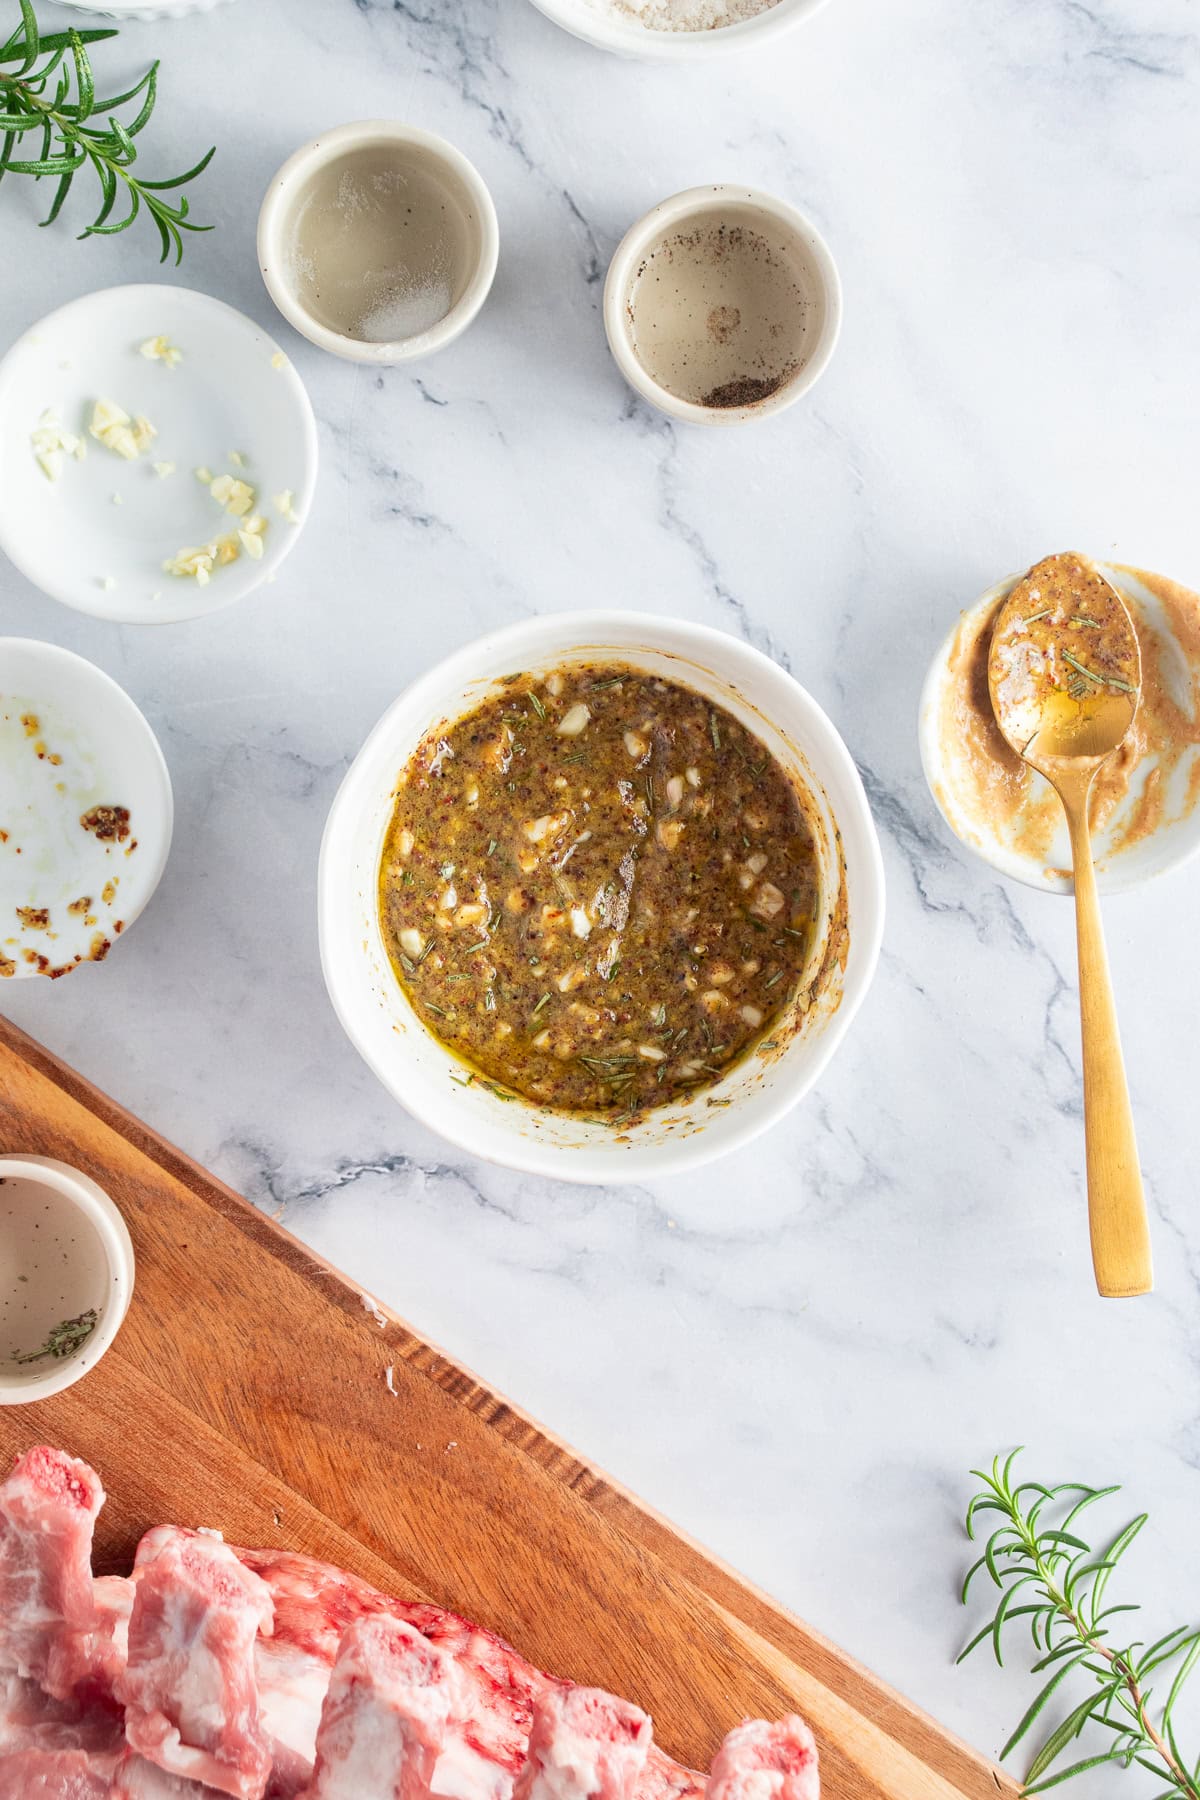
(797, 1354)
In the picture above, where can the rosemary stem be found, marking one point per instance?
(1098, 1647)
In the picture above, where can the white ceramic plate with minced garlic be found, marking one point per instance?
(85, 811)
(158, 454)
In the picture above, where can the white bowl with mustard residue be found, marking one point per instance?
(1146, 801)
(86, 812)
(697, 1126)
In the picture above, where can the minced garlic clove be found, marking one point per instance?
(574, 720)
(237, 497)
(160, 349)
(52, 445)
(768, 901)
(112, 426)
(193, 562)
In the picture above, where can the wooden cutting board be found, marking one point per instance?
(248, 1390)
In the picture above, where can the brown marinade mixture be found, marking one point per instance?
(598, 889)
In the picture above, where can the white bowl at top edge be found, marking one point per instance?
(630, 39)
(108, 756)
(1161, 850)
(105, 1260)
(669, 214)
(285, 190)
(233, 390)
(139, 12)
(415, 1067)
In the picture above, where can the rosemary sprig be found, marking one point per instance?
(64, 1339)
(58, 100)
(1048, 1574)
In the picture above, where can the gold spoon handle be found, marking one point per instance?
(1116, 1203)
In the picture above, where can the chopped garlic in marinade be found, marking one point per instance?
(285, 506)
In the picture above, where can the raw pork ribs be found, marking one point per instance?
(268, 1676)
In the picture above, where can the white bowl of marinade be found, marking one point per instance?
(600, 896)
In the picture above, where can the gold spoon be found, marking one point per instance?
(1064, 673)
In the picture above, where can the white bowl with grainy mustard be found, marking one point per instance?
(754, 1092)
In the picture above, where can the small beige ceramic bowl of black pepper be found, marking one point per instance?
(722, 305)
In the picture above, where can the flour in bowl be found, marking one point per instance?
(682, 15)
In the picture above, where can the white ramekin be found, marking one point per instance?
(630, 39)
(742, 203)
(103, 1240)
(416, 1068)
(275, 221)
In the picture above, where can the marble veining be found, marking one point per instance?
(797, 1353)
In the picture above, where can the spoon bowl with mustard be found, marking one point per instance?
(1064, 676)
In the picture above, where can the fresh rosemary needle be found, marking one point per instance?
(1082, 668)
(48, 88)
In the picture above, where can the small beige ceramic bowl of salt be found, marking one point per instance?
(378, 241)
(678, 30)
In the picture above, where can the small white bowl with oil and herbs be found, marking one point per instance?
(1145, 809)
(727, 1106)
(66, 1276)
